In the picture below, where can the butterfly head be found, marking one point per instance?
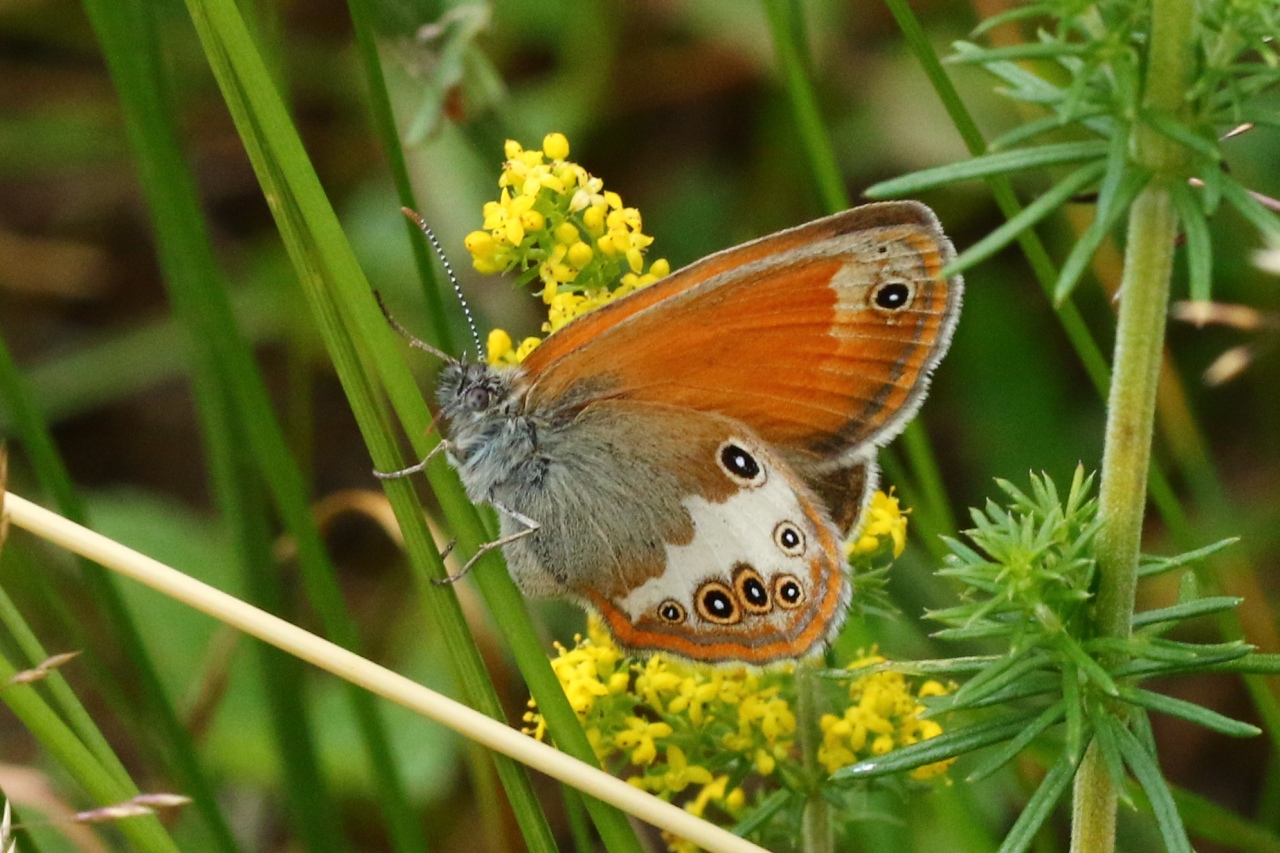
(489, 433)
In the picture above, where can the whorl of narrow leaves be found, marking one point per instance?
(1026, 576)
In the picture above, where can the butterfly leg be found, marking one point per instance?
(413, 469)
(531, 527)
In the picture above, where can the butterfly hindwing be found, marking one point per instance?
(746, 566)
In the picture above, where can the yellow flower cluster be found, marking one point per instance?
(883, 715)
(554, 221)
(706, 736)
(884, 518)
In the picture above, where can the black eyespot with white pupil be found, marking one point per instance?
(754, 593)
(741, 466)
(671, 611)
(789, 539)
(715, 603)
(788, 592)
(892, 295)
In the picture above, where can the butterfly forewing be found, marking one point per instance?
(820, 338)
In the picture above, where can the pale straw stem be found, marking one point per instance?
(288, 637)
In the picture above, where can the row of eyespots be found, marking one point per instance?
(723, 604)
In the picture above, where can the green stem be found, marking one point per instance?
(817, 830)
(1131, 405)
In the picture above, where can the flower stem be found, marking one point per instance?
(817, 830)
(1140, 328)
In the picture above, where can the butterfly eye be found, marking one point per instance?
(476, 398)
(789, 539)
(715, 603)
(788, 592)
(892, 295)
(740, 465)
(751, 590)
(671, 611)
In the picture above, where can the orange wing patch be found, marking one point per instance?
(820, 338)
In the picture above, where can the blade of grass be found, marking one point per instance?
(311, 252)
(102, 783)
(225, 366)
(351, 322)
(384, 125)
(162, 719)
(333, 658)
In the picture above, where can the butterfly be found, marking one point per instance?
(687, 460)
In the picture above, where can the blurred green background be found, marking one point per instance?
(678, 107)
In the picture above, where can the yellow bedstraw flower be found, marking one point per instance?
(554, 222)
(884, 518)
(673, 728)
(884, 715)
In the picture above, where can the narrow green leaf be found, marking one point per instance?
(104, 787)
(1179, 132)
(761, 814)
(1104, 732)
(1007, 752)
(1091, 669)
(1071, 695)
(1149, 776)
(1152, 566)
(1020, 52)
(1046, 204)
(1189, 711)
(1017, 13)
(998, 675)
(1104, 218)
(1041, 805)
(1199, 248)
(1186, 610)
(1244, 201)
(946, 745)
(1001, 163)
(1255, 664)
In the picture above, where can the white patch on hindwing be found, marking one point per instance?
(759, 528)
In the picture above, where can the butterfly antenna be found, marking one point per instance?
(415, 342)
(448, 268)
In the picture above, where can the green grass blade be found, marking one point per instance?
(384, 125)
(146, 833)
(1042, 266)
(162, 719)
(229, 373)
(356, 335)
(788, 47)
(784, 17)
